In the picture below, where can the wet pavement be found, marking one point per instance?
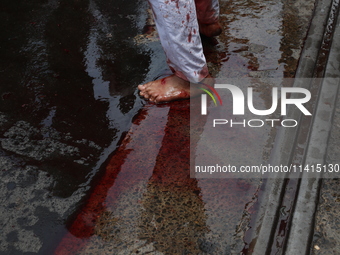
(88, 167)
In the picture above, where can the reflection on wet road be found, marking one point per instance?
(146, 200)
(89, 167)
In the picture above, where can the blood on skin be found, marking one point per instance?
(184, 94)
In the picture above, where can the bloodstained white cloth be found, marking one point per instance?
(177, 26)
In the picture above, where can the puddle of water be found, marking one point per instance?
(74, 74)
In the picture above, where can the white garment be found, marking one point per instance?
(177, 26)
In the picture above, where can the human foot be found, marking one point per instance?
(167, 89)
(210, 30)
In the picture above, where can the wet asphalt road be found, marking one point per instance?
(68, 73)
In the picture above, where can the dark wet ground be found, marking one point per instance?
(88, 167)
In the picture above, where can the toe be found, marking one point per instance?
(141, 87)
(153, 98)
(148, 90)
(157, 99)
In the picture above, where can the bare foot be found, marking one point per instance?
(171, 88)
(210, 30)
(167, 89)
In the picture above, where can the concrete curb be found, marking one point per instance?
(302, 229)
(283, 152)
